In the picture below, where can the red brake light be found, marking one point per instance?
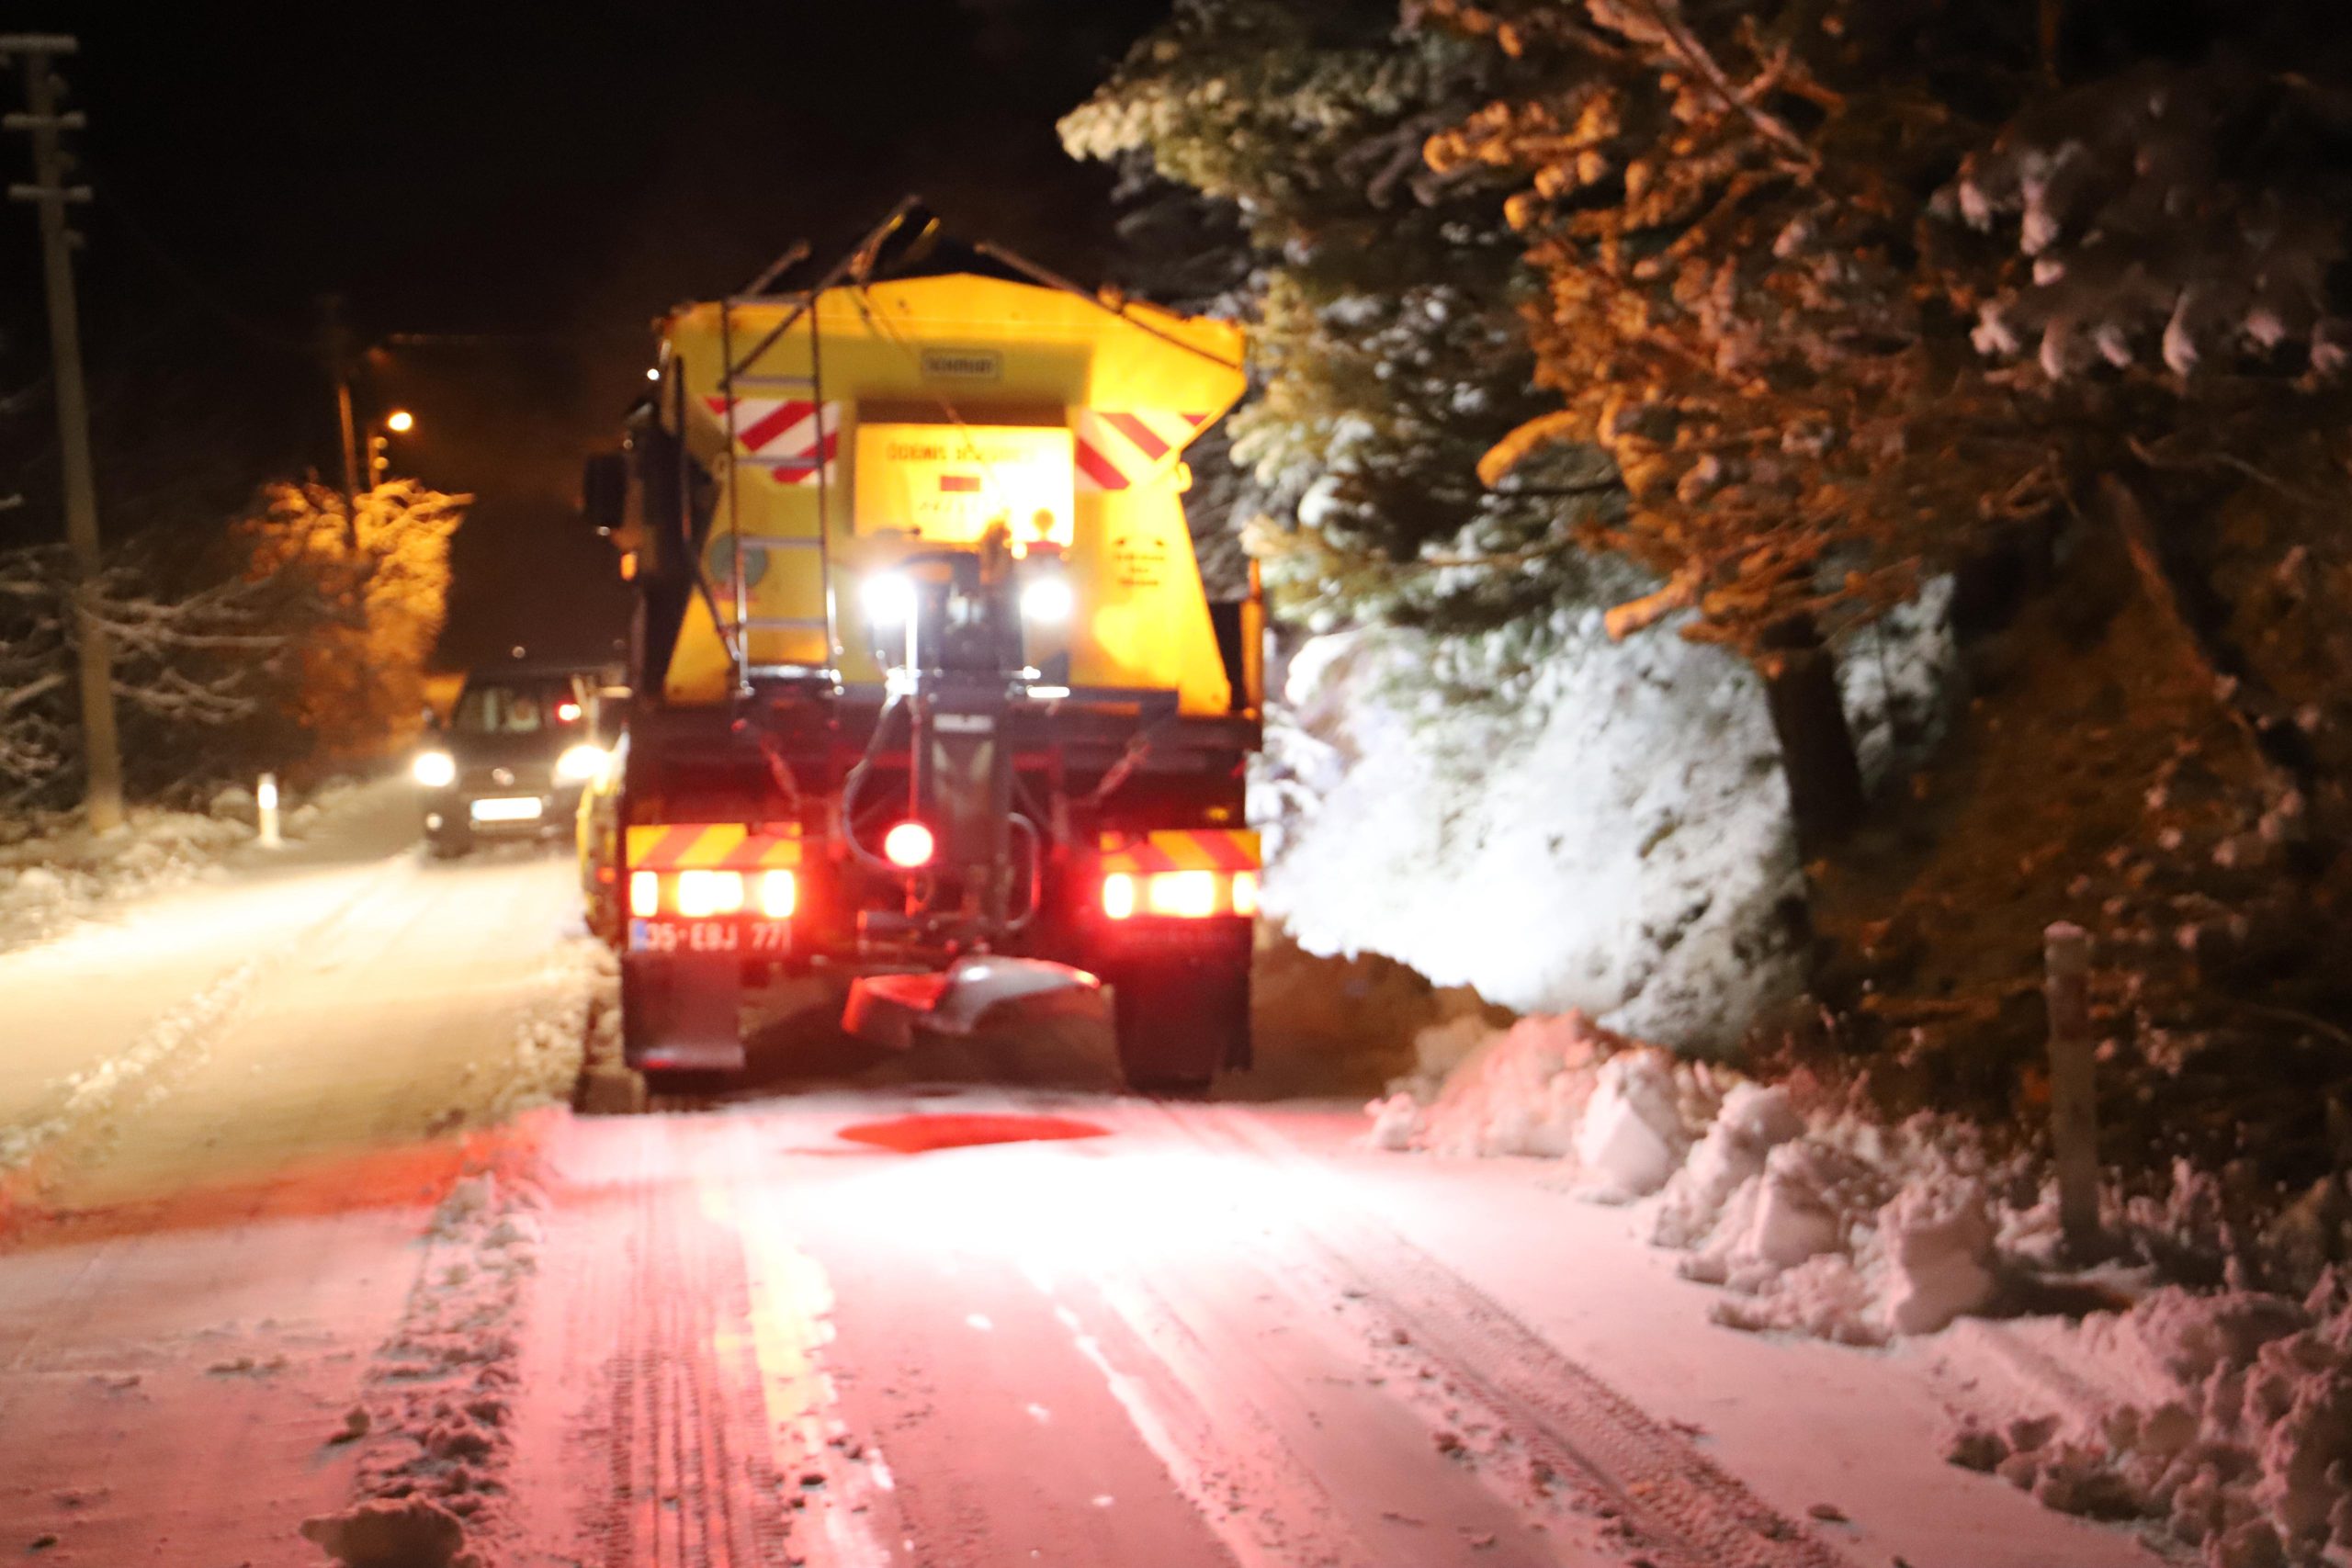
(908, 845)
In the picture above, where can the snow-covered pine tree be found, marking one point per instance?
(1469, 777)
(1387, 349)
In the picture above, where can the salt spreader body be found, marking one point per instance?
(928, 696)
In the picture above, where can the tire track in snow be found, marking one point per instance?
(1652, 1487)
(715, 1431)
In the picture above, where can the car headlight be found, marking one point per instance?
(1047, 599)
(434, 770)
(580, 763)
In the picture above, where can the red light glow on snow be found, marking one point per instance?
(921, 1134)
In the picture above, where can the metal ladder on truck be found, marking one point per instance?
(737, 374)
(736, 377)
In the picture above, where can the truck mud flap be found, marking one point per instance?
(682, 1014)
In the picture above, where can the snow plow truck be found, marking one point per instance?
(927, 696)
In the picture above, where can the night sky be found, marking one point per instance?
(527, 185)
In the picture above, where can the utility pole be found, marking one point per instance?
(101, 748)
(335, 342)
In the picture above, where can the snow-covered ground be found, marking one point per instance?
(328, 1264)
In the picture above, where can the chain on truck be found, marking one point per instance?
(929, 702)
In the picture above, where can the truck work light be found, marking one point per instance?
(1047, 599)
(888, 600)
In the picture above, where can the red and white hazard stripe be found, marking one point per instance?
(792, 434)
(1119, 448)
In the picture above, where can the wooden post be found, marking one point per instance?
(2074, 1103)
(265, 814)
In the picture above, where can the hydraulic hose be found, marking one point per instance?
(853, 784)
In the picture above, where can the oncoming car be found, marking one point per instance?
(511, 760)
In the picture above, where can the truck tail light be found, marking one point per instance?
(779, 894)
(1186, 894)
(702, 893)
(644, 893)
(1118, 895)
(1180, 895)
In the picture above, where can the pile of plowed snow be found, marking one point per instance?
(434, 1424)
(1828, 1224)
(2223, 1418)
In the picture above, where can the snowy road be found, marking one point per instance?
(879, 1324)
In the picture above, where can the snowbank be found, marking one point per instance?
(1606, 833)
(53, 869)
(1829, 1225)
(2234, 1428)
(2226, 1416)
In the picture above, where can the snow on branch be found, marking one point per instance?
(2183, 216)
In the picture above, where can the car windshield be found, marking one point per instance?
(511, 709)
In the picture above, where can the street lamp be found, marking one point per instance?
(399, 421)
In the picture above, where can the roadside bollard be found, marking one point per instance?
(266, 805)
(2073, 1105)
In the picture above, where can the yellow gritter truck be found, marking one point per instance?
(928, 697)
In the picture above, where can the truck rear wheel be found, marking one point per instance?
(1179, 1020)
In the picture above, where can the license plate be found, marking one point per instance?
(525, 809)
(754, 937)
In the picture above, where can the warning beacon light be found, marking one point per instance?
(907, 846)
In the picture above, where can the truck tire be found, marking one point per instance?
(1179, 1020)
(450, 841)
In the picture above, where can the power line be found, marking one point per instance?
(501, 340)
(111, 202)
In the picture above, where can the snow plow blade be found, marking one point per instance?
(886, 1010)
